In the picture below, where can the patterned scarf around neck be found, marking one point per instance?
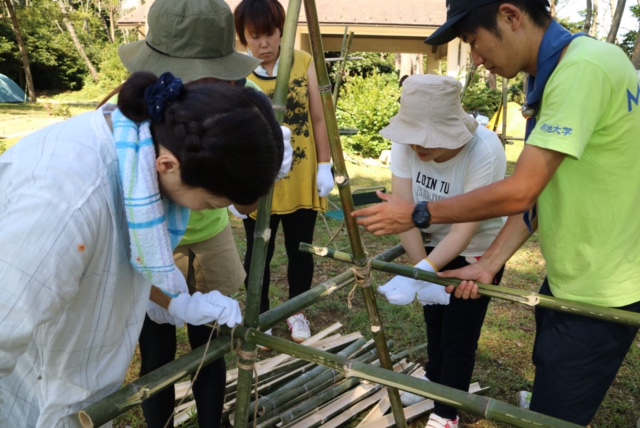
(156, 225)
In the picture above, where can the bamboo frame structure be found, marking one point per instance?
(342, 180)
(150, 384)
(487, 407)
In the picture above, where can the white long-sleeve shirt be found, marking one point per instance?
(71, 305)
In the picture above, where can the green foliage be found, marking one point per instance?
(371, 63)
(112, 74)
(367, 104)
(55, 62)
(481, 98)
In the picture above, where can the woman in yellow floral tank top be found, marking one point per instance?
(299, 196)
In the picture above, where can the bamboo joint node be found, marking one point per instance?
(532, 300)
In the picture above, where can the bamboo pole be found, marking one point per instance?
(520, 296)
(134, 393)
(357, 247)
(247, 353)
(486, 407)
(344, 53)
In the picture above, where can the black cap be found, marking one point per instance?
(456, 10)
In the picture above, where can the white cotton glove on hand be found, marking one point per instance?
(236, 213)
(229, 310)
(402, 290)
(430, 293)
(287, 158)
(160, 315)
(196, 309)
(325, 179)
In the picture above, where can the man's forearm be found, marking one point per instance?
(512, 236)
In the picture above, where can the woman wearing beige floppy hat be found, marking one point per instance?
(439, 152)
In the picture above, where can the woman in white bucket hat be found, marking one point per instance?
(438, 152)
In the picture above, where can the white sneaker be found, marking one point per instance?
(436, 421)
(409, 398)
(524, 399)
(264, 348)
(299, 326)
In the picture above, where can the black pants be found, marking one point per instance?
(453, 331)
(576, 358)
(157, 348)
(297, 227)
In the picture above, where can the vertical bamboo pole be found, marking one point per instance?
(342, 179)
(247, 354)
(344, 53)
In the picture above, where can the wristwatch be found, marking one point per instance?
(421, 216)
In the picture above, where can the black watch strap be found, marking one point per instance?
(421, 216)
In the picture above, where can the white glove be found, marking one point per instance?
(432, 294)
(325, 179)
(236, 213)
(230, 313)
(160, 315)
(197, 309)
(402, 290)
(287, 158)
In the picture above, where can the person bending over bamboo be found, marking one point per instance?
(194, 40)
(90, 211)
(438, 152)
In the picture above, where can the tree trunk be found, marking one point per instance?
(112, 23)
(31, 89)
(615, 21)
(595, 18)
(552, 7)
(76, 41)
(635, 57)
(587, 18)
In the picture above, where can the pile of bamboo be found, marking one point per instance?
(292, 392)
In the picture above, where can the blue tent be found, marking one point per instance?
(10, 92)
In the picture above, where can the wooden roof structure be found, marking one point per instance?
(379, 26)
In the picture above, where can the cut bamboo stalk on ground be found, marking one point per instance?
(267, 365)
(356, 409)
(382, 407)
(319, 384)
(309, 376)
(341, 406)
(414, 410)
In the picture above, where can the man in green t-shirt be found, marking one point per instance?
(579, 171)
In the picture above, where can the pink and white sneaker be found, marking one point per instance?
(436, 421)
(299, 326)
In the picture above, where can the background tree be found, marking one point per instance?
(76, 41)
(31, 89)
(615, 21)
